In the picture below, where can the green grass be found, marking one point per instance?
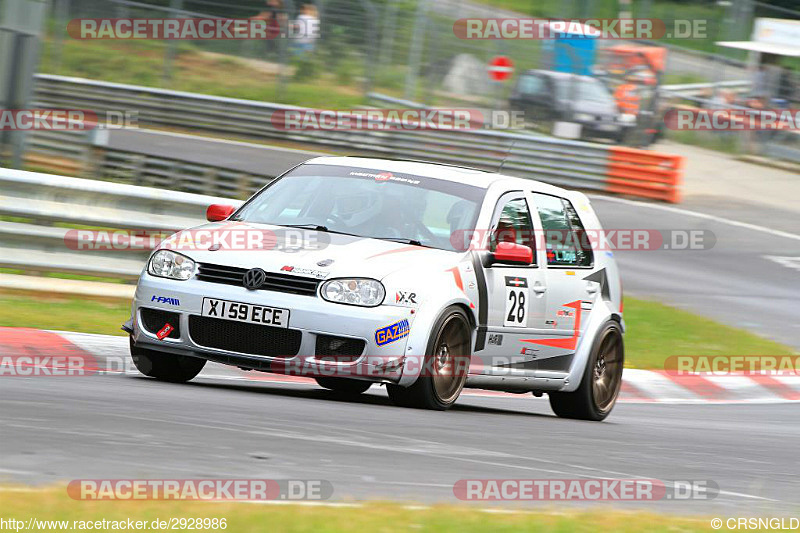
(193, 70)
(62, 275)
(68, 313)
(729, 142)
(654, 331)
(53, 504)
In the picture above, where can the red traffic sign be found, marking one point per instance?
(501, 68)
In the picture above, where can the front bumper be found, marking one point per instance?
(605, 130)
(311, 316)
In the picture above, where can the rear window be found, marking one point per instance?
(564, 235)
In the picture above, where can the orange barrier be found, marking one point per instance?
(644, 173)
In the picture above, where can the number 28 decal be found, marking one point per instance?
(516, 312)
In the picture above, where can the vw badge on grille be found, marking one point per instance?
(254, 278)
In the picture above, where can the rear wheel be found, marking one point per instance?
(344, 385)
(602, 379)
(446, 365)
(165, 366)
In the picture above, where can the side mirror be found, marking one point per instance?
(219, 212)
(511, 253)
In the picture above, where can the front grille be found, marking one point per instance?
(155, 319)
(275, 282)
(339, 349)
(243, 337)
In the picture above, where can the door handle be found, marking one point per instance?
(591, 288)
(538, 288)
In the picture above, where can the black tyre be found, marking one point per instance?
(165, 366)
(446, 365)
(601, 382)
(344, 385)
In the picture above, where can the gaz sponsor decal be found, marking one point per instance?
(516, 311)
(319, 274)
(392, 332)
(406, 298)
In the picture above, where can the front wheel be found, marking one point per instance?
(601, 382)
(350, 387)
(165, 366)
(446, 365)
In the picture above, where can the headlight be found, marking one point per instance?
(168, 264)
(364, 292)
(585, 117)
(627, 118)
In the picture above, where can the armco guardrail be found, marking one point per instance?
(46, 207)
(561, 162)
(695, 89)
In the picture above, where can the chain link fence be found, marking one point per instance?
(407, 50)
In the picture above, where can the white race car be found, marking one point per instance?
(424, 277)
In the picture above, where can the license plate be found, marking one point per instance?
(250, 313)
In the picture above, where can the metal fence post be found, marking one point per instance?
(415, 52)
(175, 6)
(22, 23)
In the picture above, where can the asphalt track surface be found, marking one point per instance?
(122, 426)
(56, 429)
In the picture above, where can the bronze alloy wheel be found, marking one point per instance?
(449, 364)
(607, 371)
(597, 393)
(446, 365)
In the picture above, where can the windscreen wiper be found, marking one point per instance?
(318, 227)
(403, 240)
(315, 227)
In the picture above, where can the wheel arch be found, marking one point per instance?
(601, 314)
(422, 329)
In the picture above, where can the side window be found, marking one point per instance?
(531, 85)
(513, 225)
(564, 236)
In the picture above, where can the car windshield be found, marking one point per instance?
(585, 89)
(369, 203)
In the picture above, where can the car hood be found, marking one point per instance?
(605, 109)
(303, 252)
